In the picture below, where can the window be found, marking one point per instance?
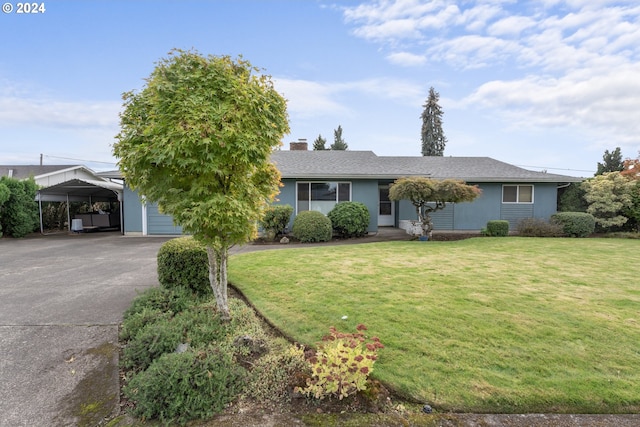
(322, 196)
(517, 194)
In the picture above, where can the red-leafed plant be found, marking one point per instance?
(342, 364)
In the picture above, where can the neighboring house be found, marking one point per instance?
(71, 183)
(317, 180)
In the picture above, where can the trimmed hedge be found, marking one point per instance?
(312, 226)
(350, 219)
(575, 224)
(498, 228)
(183, 263)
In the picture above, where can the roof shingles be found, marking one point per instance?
(367, 165)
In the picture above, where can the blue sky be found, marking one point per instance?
(541, 84)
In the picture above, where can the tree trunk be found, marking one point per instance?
(426, 223)
(218, 278)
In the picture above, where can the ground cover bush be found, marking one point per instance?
(350, 219)
(532, 325)
(537, 227)
(312, 226)
(182, 362)
(183, 263)
(575, 224)
(179, 387)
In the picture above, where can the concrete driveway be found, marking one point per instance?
(61, 300)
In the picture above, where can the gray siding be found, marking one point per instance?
(487, 207)
(159, 223)
(363, 191)
(515, 212)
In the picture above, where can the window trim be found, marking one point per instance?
(323, 182)
(518, 202)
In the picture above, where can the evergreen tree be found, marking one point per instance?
(611, 162)
(319, 144)
(338, 142)
(433, 139)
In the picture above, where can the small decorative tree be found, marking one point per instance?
(429, 195)
(197, 140)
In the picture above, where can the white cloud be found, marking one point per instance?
(309, 99)
(406, 59)
(510, 26)
(607, 103)
(37, 112)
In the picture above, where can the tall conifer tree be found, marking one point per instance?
(433, 139)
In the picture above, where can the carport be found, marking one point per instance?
(81, 190)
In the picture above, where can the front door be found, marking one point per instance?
(386, 208)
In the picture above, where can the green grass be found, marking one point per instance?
(509, 325)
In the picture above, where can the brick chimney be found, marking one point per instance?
(300, 145)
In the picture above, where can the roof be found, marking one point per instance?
(26, 171)
(367, 165)
(82, 189)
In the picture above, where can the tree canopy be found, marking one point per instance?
(433, 139)
(197, 140)
(319, 143)
(429, 195)
(611, 162)
(608, 195)
(631, 168)
(338, 141)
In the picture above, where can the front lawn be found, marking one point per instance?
(505, 325)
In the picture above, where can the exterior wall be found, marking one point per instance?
(132, 208)
(157, 223)
(460, 216)
(363, 191)
(489, 206)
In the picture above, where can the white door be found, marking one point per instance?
(386, 208)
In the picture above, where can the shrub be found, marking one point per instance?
(138, 320)
(497, 228)
(179, 387)
(575, 224)
(162, 299)
(183, 262)
(276, 218)
(19, 212)
(312, 226)
(197, 327)
(350, 219)
(275, 375)
(536, 227)
(342, 364)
